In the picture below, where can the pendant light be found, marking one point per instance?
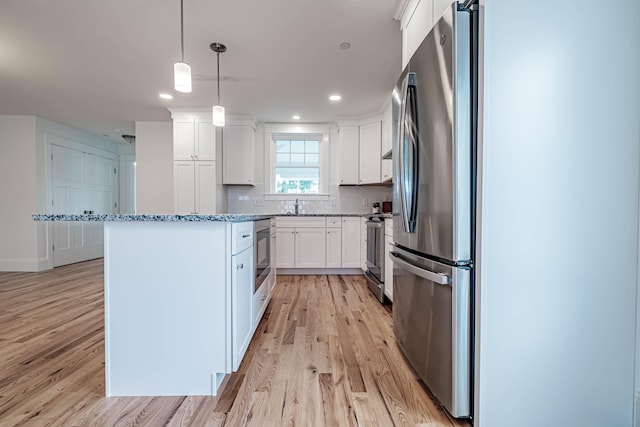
(218, 110)
(182, 70)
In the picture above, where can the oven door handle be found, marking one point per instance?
(439, 278)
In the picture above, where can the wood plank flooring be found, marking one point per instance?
(323, 355)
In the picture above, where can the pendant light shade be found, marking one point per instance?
(182, 77)
(218, 115)
(182, 70)
(218, 110)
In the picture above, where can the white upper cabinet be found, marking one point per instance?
(370, 156)
(349, 157)
(193, 139)
(386, 167)
(439, 7)
(416, 22)
(237, 155)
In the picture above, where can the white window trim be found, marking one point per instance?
(293, 131)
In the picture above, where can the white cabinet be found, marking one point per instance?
(349, 146)
(350, 244)
(386, 166)
(194, 185)
(285, 247)
(416, 23)
(388, 264)
(310, 247)
(260, 301)
(370, 146)
(363, 244)
(273, 255)
(242, 281)
(193, 139)
(439, 7)
(194, 167)
(334, 247)
(237, 155)
(241, 297)
(301, 242)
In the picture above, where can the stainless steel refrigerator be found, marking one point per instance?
(434, 136)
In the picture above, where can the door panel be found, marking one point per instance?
(80, 182)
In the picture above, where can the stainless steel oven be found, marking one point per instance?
(375, 256)
(262, 251)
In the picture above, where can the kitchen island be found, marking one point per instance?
(168, 301)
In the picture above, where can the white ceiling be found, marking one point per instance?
(99, 65)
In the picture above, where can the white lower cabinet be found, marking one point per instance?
(363, 244)
(388, 264)
(310, 247)
(350, 242)
(285, 247)
(242, 282)
(260, 301)
(334, 248)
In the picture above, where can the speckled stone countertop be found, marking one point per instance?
(157, 218)
(188, 218)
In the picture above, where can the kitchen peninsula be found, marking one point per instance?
(169, 305)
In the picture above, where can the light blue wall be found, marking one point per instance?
(559, 236)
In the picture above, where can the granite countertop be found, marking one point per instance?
(189, 218)
(157, 218)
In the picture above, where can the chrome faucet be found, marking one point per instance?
(296, 206)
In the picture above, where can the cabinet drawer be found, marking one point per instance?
(334, 221)
(260, 300)
(242, 236)
(309, 222)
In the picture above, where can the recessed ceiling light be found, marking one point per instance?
(166, 96)
(335, 98)
(345, 45)
(295, 117)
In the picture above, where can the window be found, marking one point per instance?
(297, 164)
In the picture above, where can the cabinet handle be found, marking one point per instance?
(244, 236)
(239, 266)
(263, 298)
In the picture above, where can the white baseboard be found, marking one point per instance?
(24, 264)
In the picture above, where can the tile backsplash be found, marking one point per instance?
(342, 199)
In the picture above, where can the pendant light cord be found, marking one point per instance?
(182, 30)
(218, 55)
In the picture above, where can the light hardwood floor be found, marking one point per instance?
(324, 354)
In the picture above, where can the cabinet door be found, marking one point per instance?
(439, 7)
(204, 140)
(386, 142)
(274, 254)
(241, 300)
(334, 248)
(285, 248)
(351, 242)
(349, 137)
(310, 247)
(388, 269)
(183, 188)
(237, 155)
(205, 187)
(363, 244)
(386, 170)
(370, 153)
(183, 139)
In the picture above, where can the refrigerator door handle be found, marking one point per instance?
(408, 156)
(439, 278)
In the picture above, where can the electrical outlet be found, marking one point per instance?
(258, 202)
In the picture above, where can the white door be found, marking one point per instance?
(184, 190)
(81, 183)
(205, 187)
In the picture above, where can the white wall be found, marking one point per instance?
(18, 189)
(154, 167)
(559, 235)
